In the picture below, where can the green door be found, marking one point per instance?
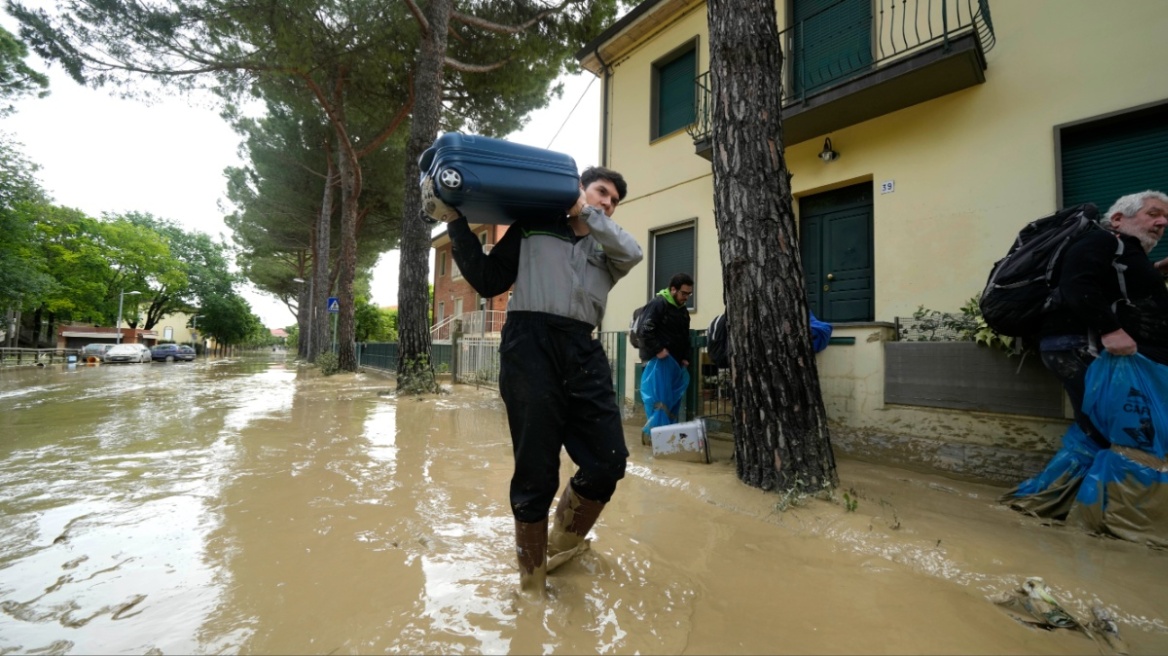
(1104, 160)
(835, 232)
(832, 41)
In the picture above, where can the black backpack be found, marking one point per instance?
(1020, 287)
(718, 342)
(635, 327)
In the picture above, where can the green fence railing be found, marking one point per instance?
(384, 356)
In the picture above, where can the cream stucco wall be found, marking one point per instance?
(969, 168)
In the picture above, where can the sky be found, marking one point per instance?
(99, 153)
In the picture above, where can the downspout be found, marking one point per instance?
(604, 84)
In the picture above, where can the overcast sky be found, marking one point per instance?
(99, 153)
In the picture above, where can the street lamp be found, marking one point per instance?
(121, 300)
(311, 308)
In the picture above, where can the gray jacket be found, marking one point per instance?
(552, 270)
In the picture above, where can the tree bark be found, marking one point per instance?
(415, 369)
(317, 307)
(348, 169)
(781, 438)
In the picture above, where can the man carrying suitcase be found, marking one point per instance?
(553, 376)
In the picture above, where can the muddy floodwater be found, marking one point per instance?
(250, 506)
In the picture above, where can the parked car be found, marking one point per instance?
(95, 350)
(172, 352)
(128, 353)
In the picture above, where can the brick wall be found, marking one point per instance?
(448, 288)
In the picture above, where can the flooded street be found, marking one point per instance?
(247, 506)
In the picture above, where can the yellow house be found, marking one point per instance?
(921, 135)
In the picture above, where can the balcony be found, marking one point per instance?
(855, 61)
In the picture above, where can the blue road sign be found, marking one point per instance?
(334, 306)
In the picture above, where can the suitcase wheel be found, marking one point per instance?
(450, 179)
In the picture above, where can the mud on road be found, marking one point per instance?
(250, 506)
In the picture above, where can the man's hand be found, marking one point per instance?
(433, 206)
(663, 354)
(579, 206)
(684, 364)
(1162, 266)
(1119, 343)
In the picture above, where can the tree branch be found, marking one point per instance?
(420, 17)
(482, 23)
(475, 68)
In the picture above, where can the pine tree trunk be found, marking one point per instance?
(781, 439)
(348, 168)
(317, 307)
(415, 370)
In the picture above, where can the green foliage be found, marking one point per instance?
(23, 278)
(964, 326)
(16, 78)
(228, 319)
(328, 363)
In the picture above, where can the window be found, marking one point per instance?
(442, 263)
(673, 252)
(168, 334)
(454, 272)
(441, 312)
(674, 91)
(458, 307)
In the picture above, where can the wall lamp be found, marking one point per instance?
(827, 154)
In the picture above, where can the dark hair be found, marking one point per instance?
(594, 173)
(680, 279)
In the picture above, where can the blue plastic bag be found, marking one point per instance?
(1070, 463)
(663, 384)
(820, 333)
(1126, 398)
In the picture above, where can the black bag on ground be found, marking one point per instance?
(1020, 285)
(718, 342)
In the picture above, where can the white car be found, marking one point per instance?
(128, 353)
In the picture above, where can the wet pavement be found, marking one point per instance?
(248, 506)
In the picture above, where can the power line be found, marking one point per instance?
(566, 119)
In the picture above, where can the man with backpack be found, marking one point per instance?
(663, 332)
(664, 325)
(1109, 295)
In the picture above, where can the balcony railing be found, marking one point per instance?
(849, 40)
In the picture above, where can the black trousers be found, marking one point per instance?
(557, 384)
(1070, 366)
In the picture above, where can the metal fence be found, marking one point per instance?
(478, 361)
(384, 356)
(13, 357)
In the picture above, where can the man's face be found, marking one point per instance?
(1147, 225)
(681, 294)
(602, 193)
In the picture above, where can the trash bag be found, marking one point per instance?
(1052, 492)
(1120, 491)
(1126, 398)
(820, 334)
(663, 384)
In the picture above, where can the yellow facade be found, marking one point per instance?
(969, 168)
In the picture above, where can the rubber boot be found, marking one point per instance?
(531, 540)
(574, 517)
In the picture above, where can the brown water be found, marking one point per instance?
(249, 507)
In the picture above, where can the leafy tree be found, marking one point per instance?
(23, 278)
(198, 270)
(781, 436)
(17, 80)
(228, 319)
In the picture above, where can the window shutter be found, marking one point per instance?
(673, 252)
(1103, 161)
(675, 93)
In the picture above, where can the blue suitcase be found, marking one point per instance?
(496, 181)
